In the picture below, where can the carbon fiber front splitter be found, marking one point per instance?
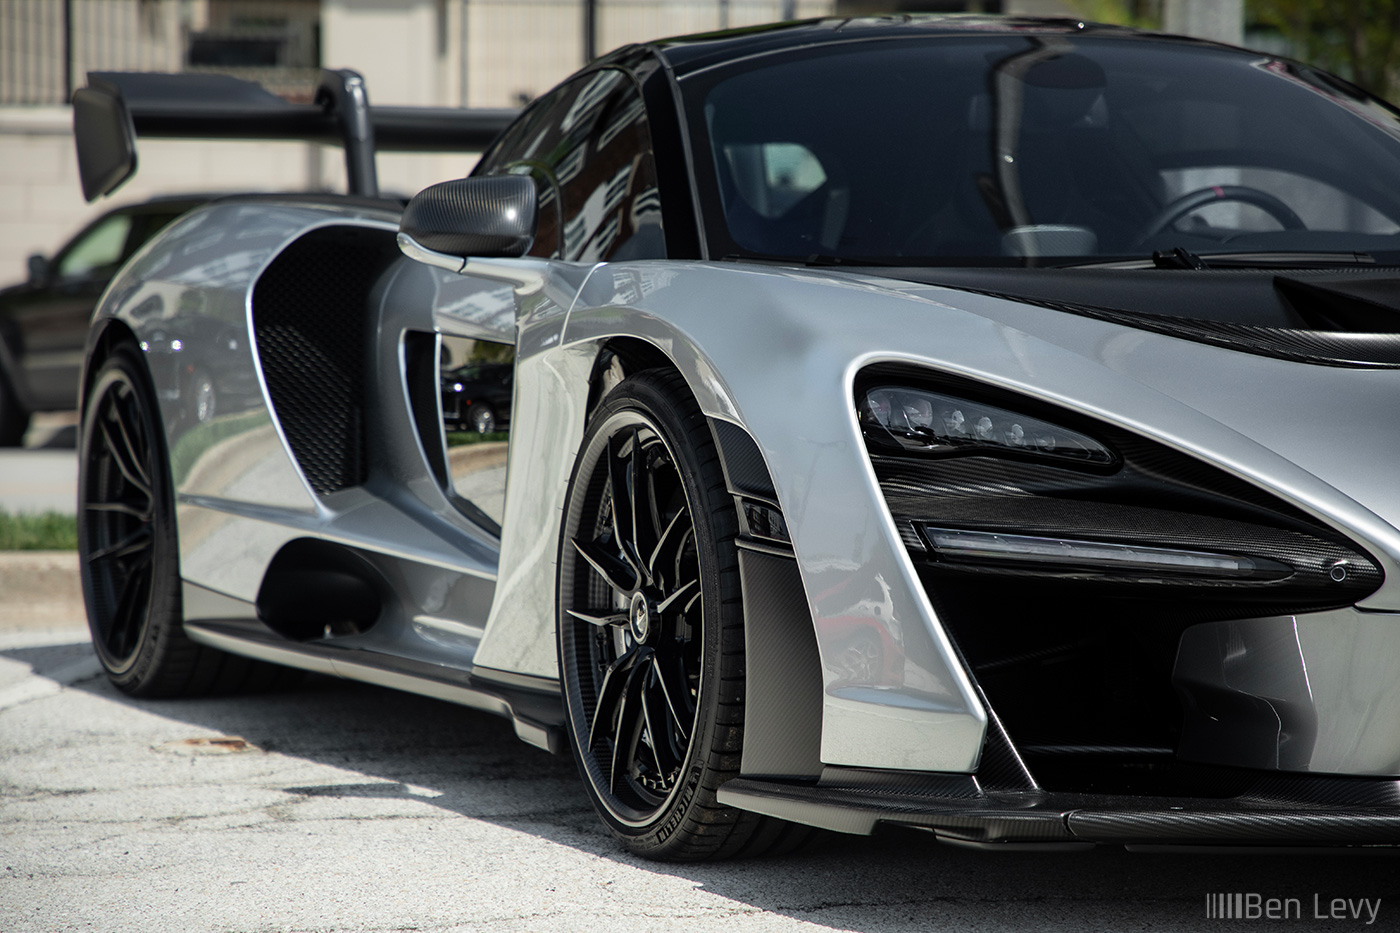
(960, 811)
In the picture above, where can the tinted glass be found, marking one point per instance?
(548, 143)
(97, 252)
(588, 146)
(611, 208)
(992, 149)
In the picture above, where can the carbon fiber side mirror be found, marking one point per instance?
(493, 216)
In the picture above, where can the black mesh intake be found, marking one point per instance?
(311, 318)
(491, 216)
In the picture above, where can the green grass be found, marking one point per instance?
(49, 531)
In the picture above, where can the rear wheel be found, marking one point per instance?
(481, 419)
(129, 560)
(651, 637)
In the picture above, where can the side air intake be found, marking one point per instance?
(312, 326)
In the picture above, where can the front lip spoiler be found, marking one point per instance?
(1018, 818)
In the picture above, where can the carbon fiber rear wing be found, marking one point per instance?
(117, 107)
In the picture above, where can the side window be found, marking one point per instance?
(548, 144)
(611, 209)
(476, 379)
(99, 251)
(588, 147)
(772, 177)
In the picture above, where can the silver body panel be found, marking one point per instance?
(775, 351)
(1306, 693)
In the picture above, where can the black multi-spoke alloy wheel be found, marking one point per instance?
(127, 548)
(651, 636)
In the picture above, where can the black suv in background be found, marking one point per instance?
(44, 322)
(476, 397)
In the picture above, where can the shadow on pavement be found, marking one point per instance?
(410, 746)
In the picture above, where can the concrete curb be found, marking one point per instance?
(470, 458)
(38, 588)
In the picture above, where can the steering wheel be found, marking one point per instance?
(1216, 194)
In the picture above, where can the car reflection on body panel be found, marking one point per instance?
(476, 397)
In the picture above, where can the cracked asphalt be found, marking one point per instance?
(351, 808)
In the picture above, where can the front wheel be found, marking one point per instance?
(651, 632)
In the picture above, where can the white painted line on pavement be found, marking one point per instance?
(47, 638)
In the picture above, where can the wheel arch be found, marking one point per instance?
(783, 674)
(615, 360)
(107, 334)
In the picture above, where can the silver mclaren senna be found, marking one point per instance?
(976, 424)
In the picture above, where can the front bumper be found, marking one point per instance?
(1274, 811)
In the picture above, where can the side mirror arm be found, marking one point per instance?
(476, 226)
(525, 274)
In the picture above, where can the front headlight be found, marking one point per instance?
(985, 547)
(934, 424)
(1018, 488)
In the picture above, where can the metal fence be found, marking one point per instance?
(34, 43)
(496, 52)
(46, 45)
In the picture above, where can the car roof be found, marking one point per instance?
(686, 54)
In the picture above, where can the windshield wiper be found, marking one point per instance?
(1291, 260)
(1179, 258)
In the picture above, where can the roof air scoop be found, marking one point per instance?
(1350, 303)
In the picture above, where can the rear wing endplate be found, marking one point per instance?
(116, 107)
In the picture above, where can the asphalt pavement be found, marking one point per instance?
(337, 807)
(343, 807)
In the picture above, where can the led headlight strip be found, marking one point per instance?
(927, 422)
(973, 546)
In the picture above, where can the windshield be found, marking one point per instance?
(1009, 149)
